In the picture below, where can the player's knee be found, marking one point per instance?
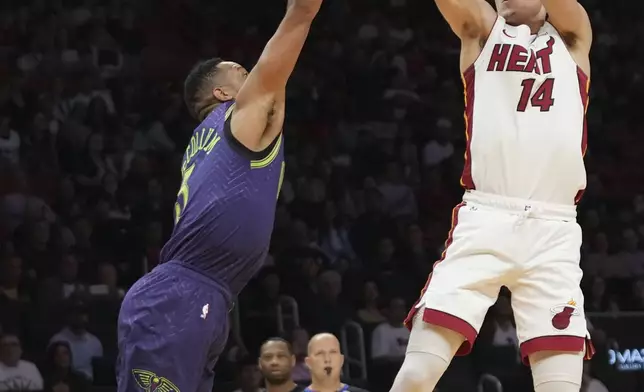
(429, 338)
(420, 372)
(429, 352)
(557, 371)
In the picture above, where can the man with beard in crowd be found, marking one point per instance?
(276, 362)
(325, 362)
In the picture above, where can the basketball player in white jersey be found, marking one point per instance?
(526, 78)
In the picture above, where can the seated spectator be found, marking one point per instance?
(16, 374)
(249, 377)
(505, 332)
(328, 312)
(84, 345)
(60, 287)
(439, 148)
(589, 383)
(497, 347)
(638, 296)
(594, 263)
(260, 315)
(107, 282)
(628, 262)
(12, 300)
(417, 254)
(9, 141)
(299, 341)
(596, 300)
(369, 312)
(93, 165)
(334, 235)
(58, 372)
(399, 199)
(389, 339)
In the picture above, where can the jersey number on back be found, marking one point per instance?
(541, 98)
(184, 193)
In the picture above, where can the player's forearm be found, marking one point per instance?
(280, 55)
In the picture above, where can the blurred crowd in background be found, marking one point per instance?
(92, 130)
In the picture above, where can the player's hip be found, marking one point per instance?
(172, 283)
(527, 208)
(512, 229)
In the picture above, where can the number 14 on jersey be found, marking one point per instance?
(540, 98)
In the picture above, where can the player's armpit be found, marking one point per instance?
(571, 20)
(266, 82)
(471, 19)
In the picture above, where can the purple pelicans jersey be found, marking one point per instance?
(225, 207)
(173, 322)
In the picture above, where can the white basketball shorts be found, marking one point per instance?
(533, 249)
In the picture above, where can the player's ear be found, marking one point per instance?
(307, 362)
(341, 361)
(293, 361)
(222, 94)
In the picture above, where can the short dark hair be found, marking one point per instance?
(278, 339)
(195, 83)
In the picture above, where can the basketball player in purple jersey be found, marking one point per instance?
(173, 322)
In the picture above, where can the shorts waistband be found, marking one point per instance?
(528, 208)
(177, 267)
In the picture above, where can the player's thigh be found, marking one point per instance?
(547, 300)
(467, 279)
(459, 293)
(166, 337)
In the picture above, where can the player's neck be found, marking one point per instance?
(326, 385)
(205, 112)
(284, 387)
(534, 25)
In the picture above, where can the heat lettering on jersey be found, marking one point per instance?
(202, 141)
(516, 58)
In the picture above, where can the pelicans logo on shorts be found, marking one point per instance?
(150, 382)
(563, 313)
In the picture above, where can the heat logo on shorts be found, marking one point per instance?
(563, 313)
(150, 382)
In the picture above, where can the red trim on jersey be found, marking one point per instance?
(584, 88)
(453, 323)
(448, 242)
(557, 343)
(437, 317)
(468, 94)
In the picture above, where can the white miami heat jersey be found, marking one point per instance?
(525, 112)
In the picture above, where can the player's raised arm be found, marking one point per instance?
(468, 18)
(571, 20)
(263, 90)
